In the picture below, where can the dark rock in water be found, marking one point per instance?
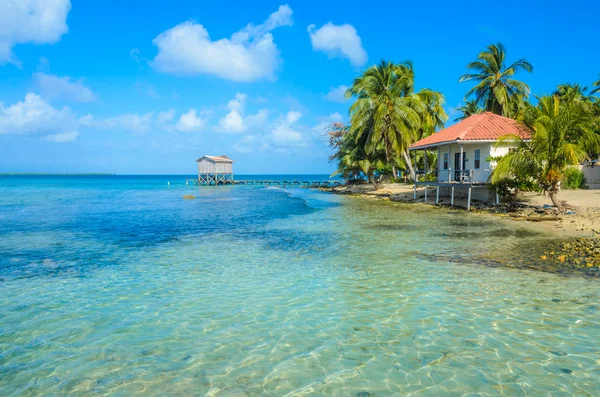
(567, 371)
(186, 358)
(555, 300)
(561, 354)
(363, 394)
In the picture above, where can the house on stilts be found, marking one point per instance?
(215, 170)
(465, 153)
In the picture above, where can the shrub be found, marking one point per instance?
(573, 178)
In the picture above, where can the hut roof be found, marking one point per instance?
(485, 126)
(217, 159)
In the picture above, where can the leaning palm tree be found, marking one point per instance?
(389, 115)
(353, 162)
(468, 109)
(495, 85)
(562, 136)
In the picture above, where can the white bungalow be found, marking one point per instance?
(464, 150)
(217, 170)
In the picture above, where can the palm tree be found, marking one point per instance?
(389, 115)
(597, 89)
(352, 159)
(562, 136)
(468, 109)
(495, 85)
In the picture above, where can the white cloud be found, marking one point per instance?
(338, 41)
(321, 128)
(249, 55)
(31, 21)
(165, 117)
(234, 121)
(190, 122)
(135, 55)
(336, 94)
(284, 132)
(34, 116)
(62, 87)
(246, 143)
(63, 137)
(128, 122)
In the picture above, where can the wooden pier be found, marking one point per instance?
(266, 182)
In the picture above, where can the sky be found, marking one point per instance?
(147, 87)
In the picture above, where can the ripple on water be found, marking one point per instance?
(347, 299)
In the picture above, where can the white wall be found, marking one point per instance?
(479, 175)
(592, 176)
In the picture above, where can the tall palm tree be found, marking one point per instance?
(495, 85)
(390, 114)
(468, 109)
(571, 92)
(562, 136)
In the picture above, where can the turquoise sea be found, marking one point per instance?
(115, 285)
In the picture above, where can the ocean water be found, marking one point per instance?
(115, 285)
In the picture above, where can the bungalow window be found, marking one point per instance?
(445, 161)
(477, 159)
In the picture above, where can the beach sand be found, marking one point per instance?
(584, 205)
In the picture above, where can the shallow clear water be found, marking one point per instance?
(116, 285)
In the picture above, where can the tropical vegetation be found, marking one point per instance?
(385, 119)
(563, 136)
(496, 87)
(388, 115)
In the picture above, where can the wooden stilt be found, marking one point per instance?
(497, 198)
(452, 197)
(437, 194)
(425, 193)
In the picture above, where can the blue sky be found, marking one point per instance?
(147, 87)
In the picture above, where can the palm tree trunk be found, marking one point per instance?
(372, 180)
(394, 175)
(554, 200)
(408, 164)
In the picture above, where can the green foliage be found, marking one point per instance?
(596, 88)
(386, 118)
(563, 135)
(468, 109)
(495, 88)
(573, 178)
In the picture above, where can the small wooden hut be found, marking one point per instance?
(215, 170)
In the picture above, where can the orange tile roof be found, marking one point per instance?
(485, 126)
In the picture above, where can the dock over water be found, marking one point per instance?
(267, 182)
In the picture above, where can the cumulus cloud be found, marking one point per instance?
(63, 137)
(249, 55)
(336, 94)
(34, 116)
(31, 21)
(190, 122)
(234, 121)
(63, 88)
(285, 132)
(338, 41)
